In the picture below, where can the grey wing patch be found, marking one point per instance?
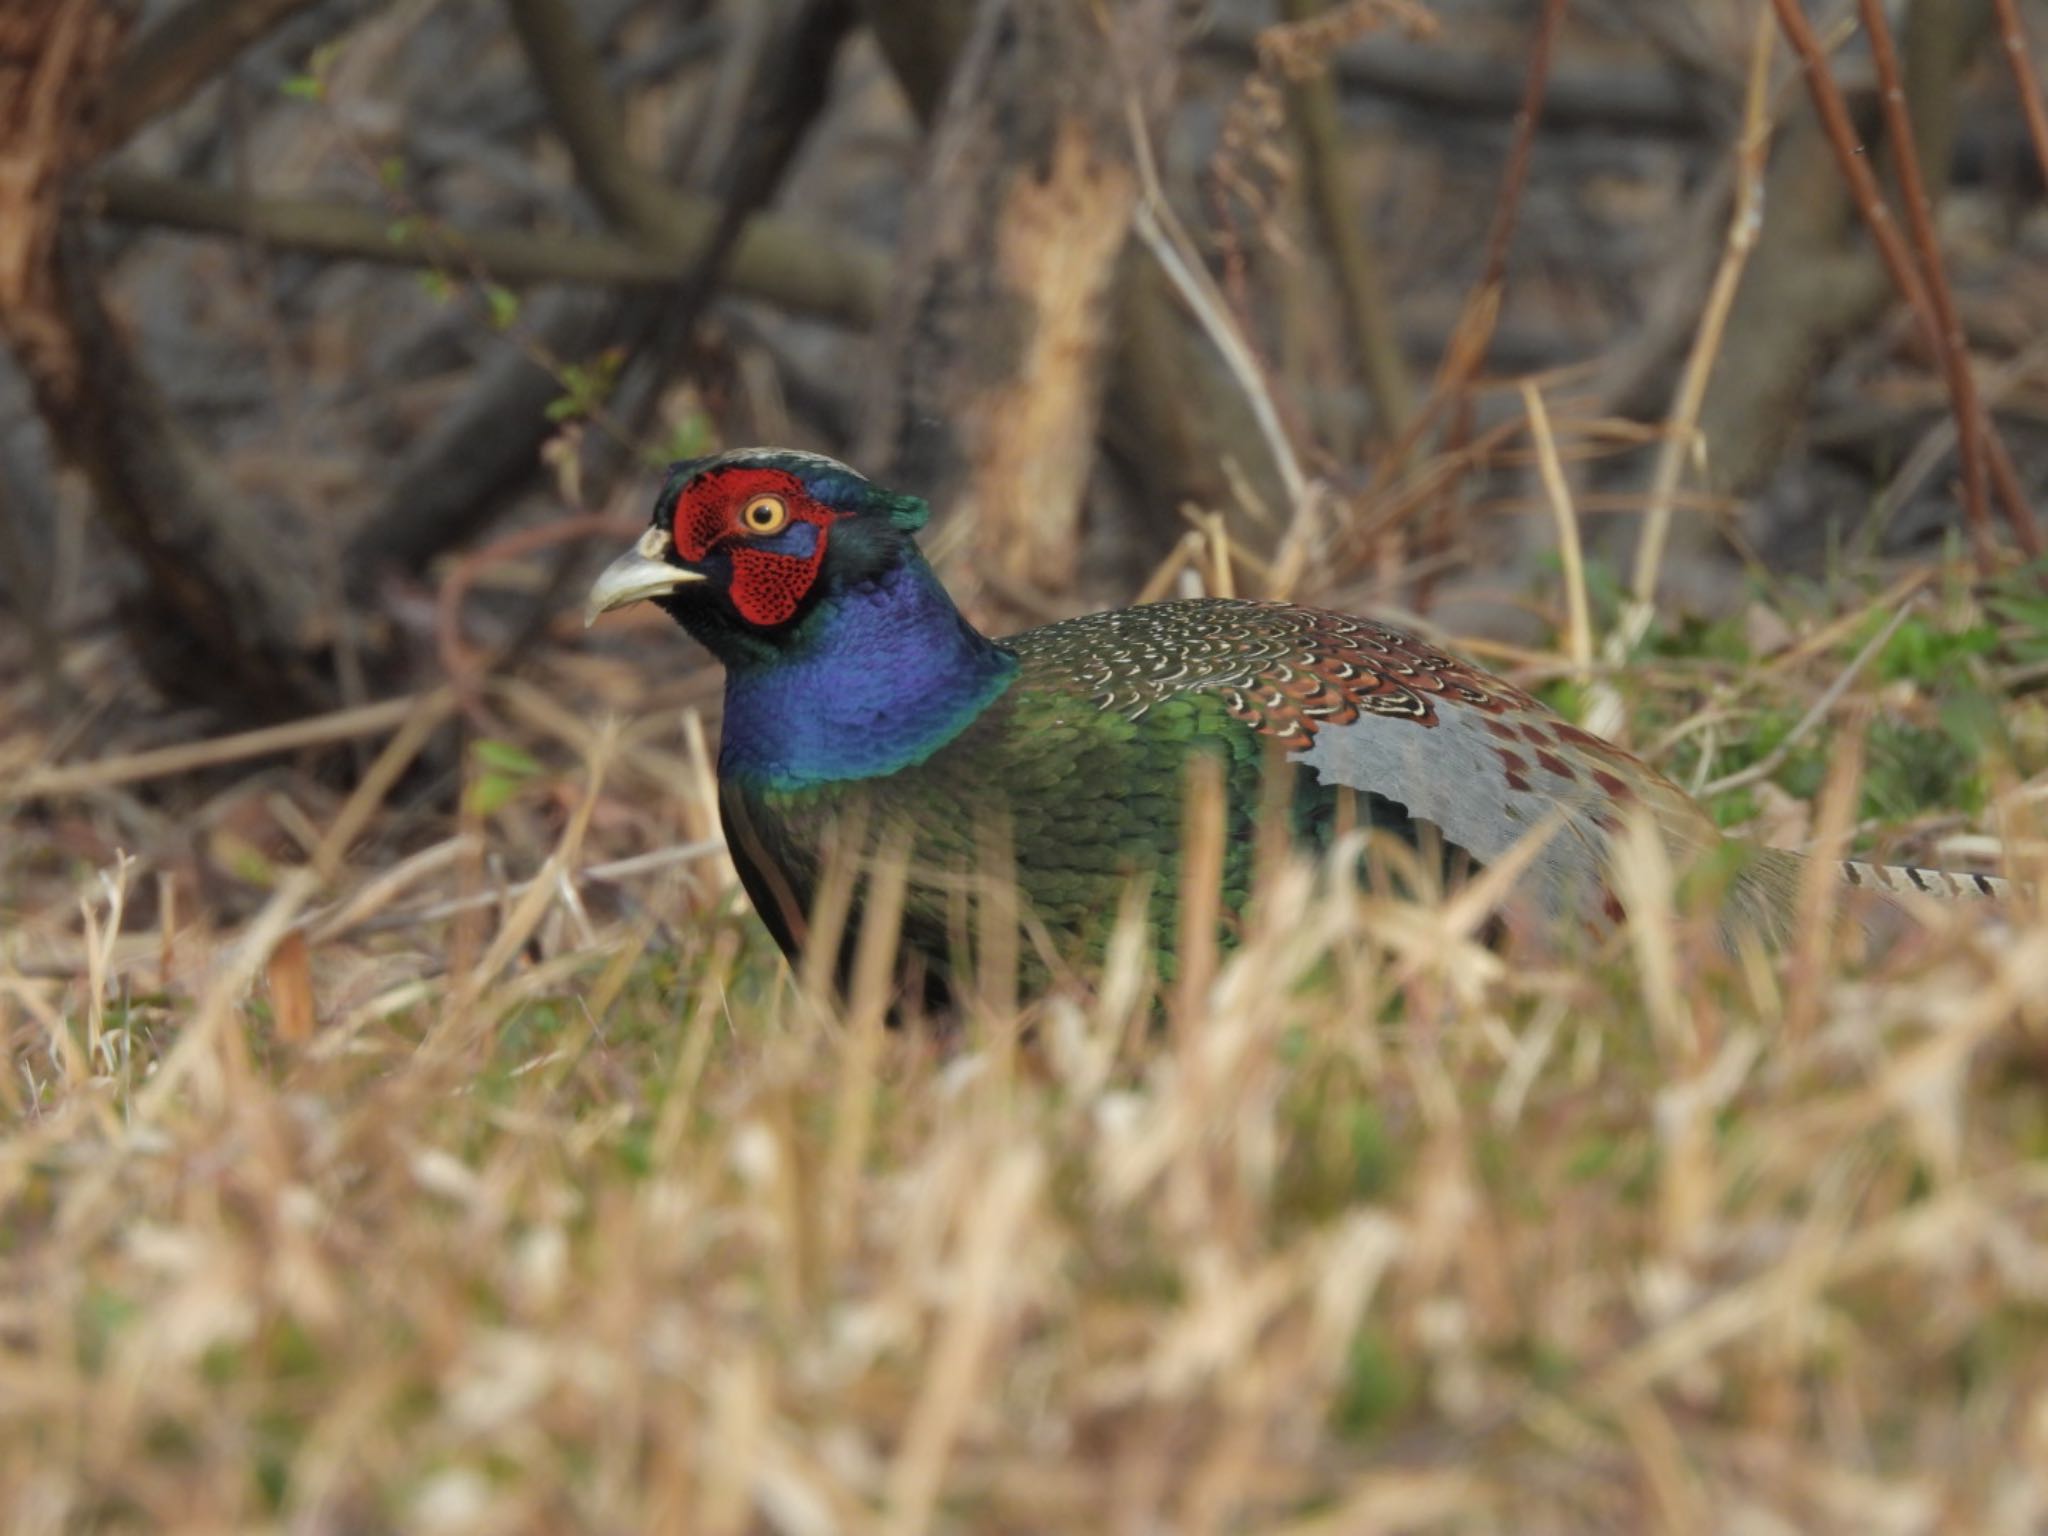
(1453, 777)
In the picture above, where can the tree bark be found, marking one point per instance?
(222, 616)
(1173, 417)
(997, 338)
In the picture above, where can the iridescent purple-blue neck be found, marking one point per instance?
(883, 675)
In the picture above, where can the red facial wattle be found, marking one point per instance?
(768, 587)
(768, 584)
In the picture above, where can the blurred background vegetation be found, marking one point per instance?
(319, 298)
(346, 339)
(373, 994)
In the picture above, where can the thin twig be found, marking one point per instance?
(1160, 231)
(1464, 351)
(1515, 179)
(777, 258)
(1579, 628)
(464, 670)
(188, 757)
(1899, 263)
(611, 871)
(1681, 429)
(2014, 38)
(1482, 307)
(1855, 166)
(1950, 344)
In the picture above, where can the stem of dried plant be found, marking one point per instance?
(1681, 431)
(188, 757)
(1161, 232)
(195, 1058)
(1578, 611)
(465, 672)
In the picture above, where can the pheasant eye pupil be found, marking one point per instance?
(764, 514)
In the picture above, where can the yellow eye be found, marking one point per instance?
(765, 514)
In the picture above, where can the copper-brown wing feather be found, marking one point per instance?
(1372, 709)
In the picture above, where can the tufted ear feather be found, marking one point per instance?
(909, 513)
(841, 489)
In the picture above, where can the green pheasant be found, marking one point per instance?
(855, 689)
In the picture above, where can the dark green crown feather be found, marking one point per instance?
(830, 482)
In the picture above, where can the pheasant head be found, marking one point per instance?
(748, 549)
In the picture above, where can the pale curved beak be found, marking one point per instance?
(640, 573)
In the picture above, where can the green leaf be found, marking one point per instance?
(1735, 807)
(690, 438)
(504, 304)
(586, 386)
(492, 792)
(504, 757)
(1376, 1387)
(312, 85)
(1923, 652)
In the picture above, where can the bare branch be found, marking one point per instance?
(776, 259)
(2013, 38)
(180, 53)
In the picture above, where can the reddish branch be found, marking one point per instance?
(2014, 39)
(1541, 49)
(1916, 282)
(1482, 309)
(1950, 345)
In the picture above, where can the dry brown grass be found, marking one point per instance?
(513, 1203)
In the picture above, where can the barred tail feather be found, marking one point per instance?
(1911, 880)
(1766, 892)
